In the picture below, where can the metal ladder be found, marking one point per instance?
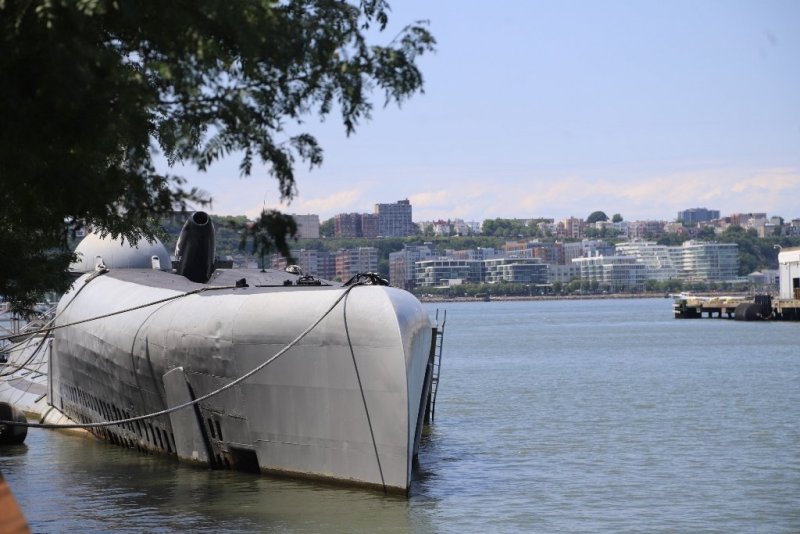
(437, 366)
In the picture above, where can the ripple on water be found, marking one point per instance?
(560, 416)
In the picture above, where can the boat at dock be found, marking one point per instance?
(261, 370)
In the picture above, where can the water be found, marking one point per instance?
(572, 416)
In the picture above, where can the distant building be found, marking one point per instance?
(547, 227)
(352, 261)
(646, 229)
(471, 269)
(307, 226)
(708, 262)
(394, 220)
(515, 270)
(480, 253)
(402, 265)
(619, 273)
(318, 263)
(347, 225)
(587, 247)
(461, 227)
(326, 265)
(445, 272)
(656, 258)
(563, 273)
(573, 227)
(742, 219)
(441, 228)
(551, 253)
(693, 216)
(677, 228)
(370, 225)
(619, 228)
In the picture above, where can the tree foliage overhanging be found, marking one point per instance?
(91, 90)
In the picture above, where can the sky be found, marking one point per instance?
(559, 108)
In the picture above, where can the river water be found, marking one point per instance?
(568, 416)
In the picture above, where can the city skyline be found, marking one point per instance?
(560, 109)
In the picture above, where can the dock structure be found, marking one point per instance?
(754, 308)
(784, 307)
(692, 307)
(788, 310)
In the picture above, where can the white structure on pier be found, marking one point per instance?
(789, 267)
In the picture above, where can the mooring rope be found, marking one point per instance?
(46, 329)
(227, 386)
(14, 367)
(363, 397)
(126, 310)
(49, 326)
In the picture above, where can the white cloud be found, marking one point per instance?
(658, 196)
(430, 198)
(459, 193)
(356, 199)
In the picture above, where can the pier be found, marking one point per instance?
(741, 308)
(784, 307)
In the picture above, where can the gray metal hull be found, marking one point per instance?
(23, 375)
(342, 404)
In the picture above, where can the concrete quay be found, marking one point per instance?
(741, 308)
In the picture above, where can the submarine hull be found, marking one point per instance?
(342, 404)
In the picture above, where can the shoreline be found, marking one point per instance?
(506, 298)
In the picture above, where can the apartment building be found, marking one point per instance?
(573, 227)
(352, 261)
(646, 229)
(480, 253)
(563, 273)
(619, 273)
(657, 259)
(708, 262)
(394, 220)
(587, 247)
(515, 270)
(347, 225)
(370, 225)
(307, 226)
(447, 271)
(743, 219)
(402, 265)
(693, 216)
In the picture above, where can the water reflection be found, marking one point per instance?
(91, 485)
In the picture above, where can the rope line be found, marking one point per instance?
(10, 368)
(134, 308)
(363, 397)
(47, 326)
(227, 386)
